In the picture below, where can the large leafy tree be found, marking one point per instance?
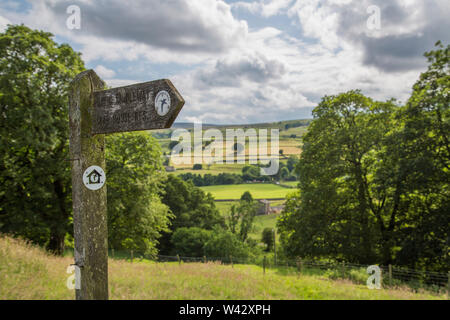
(224, 244)
(190, 242)
(35, 184)
(425, 156)
(190, 206)
(136, 215)
(247, 213)
(242, 216)
(374, 178)
(267, 238)
(35, 192)
(341, 211)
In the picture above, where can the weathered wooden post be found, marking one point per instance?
(231, 261)
(178, 258)
(390, 275)
(299, 266)
(132, 256)
(94, 112)
(381, 277)
(448, 285)
(264, 265)
(89, 206)
(274, 247)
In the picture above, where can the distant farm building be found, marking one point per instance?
(264, 207)
(276, 209)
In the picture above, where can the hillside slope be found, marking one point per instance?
(27, 272)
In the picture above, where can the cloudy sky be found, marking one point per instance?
(249, 61)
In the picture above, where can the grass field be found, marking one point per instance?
(225, 207)
(213, 169)
(290, 143)
(27, 272)
(262, 222)
(258, 191)
(290, 183)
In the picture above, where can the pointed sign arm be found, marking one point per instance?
(142, 106)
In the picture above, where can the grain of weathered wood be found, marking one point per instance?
(93, 112)
(132, 108)
(89, 207)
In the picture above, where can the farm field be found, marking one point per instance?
(225, 207)
(27, 272)
(290, 143)
(258, 191)
(290, 183)
(262, 222)
(213, 169)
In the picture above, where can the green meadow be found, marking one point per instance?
(290, 143)
(28, 272)
(213, 169)
(260, 223)
(258, 191)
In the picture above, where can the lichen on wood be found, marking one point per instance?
(89, 207)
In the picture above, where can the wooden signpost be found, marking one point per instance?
(93, 112)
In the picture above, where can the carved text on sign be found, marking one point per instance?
(143, 106)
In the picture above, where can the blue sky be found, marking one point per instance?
(249, 61)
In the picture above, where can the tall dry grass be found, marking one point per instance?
(28, 272)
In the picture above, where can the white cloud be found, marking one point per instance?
(233, 70)
(104, 72)
(114, 83)
(95, 48)
(159, 31)
(263, 8)
(179, 25)
(317, 21)
(232, 74)
(3, 23)
(408, 28)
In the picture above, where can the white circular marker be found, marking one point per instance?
(94, 177)
(162, 103)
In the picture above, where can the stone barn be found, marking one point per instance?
(264, 207)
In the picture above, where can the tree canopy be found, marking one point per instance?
(242, 216)
(190, 206)
(35, 179)
(374, 178)
(35, 185)
(136, 215)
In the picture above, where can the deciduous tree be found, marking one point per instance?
(35, 185)
(135, 177)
